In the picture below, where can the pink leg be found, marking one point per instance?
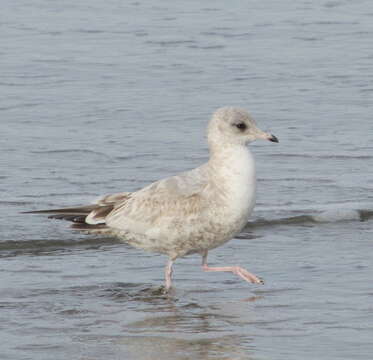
(168, 275)
(241, 272)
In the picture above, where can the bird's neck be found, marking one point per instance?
(233, 171)
(232, 160)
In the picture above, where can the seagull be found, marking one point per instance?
(189, 213)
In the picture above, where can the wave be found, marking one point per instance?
(36, 247)
(327, 216)
(67, 151)
(30, 247)
(324, 156)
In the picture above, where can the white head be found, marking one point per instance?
(234, 126)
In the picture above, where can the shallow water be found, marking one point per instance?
(105, 97)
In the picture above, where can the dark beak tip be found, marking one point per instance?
(273, 139)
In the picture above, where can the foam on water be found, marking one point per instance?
(338, 215)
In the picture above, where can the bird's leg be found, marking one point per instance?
(241, 272)
(168, 275)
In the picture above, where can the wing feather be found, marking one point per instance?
(181, 194)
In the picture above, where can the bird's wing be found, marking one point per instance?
(174, 197)
(95, 213)
(104, 206)
(112, 199)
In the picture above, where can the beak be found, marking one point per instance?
(266, 136)
(273, 138)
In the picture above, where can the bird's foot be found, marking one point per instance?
(248, 276)
(241, 272)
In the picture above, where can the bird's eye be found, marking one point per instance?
(241, 126)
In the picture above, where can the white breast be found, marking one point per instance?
(234, 173)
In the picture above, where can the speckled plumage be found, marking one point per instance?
(192, 212)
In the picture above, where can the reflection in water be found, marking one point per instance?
(252, 298)
(158, 347)
(188, 330)
(136, 321)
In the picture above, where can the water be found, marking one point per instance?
(99, 97)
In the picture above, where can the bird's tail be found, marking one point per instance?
(75, 214)
(78, 216)
(88, 218)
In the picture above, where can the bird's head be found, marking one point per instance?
(234, 126)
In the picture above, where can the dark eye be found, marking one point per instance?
(241, 126)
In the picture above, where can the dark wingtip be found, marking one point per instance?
(273, 139)
(36, 212)
(81, 210)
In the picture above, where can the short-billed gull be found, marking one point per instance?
(192, 212)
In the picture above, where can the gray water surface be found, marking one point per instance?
(100, 97)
